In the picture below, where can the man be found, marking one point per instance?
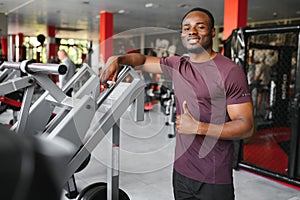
(71, 67)
(213, 106)
(263, 75)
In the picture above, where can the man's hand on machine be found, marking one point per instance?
(107, 85)
(110, 71)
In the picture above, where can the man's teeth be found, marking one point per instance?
(192, 41)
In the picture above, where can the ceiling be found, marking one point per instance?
(80, 18)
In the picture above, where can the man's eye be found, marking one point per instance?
(186, 29)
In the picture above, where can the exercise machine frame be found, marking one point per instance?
(73, 117)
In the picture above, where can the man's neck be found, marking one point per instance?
(202, 57)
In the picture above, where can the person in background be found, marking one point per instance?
(251, 70)
(71, 67)
(250, 76)
(213, 106)
(263, 76)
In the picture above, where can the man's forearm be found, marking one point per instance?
(147, 63)
(237, 129)
(133, 59)
(112, 66)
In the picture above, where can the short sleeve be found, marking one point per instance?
(237, 89)
(168, 64)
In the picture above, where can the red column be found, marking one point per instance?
(4, 47)
(52, 47)
(235, 16)
(106, 33)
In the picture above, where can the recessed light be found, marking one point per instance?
(298, 12)
(151, 5)
(148, 5)
(121, 11)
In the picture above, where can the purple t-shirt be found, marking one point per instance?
(208, 88)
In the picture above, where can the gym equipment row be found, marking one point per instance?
(11, 100)
(167, 101)
(83, 119)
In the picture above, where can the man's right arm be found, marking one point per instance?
(112, 67)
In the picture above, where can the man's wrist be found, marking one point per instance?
(201, 128)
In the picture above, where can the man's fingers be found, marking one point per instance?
(108, 76)
(105, 85)
(185, 107)
(114, 78)
(103, 77)
(178, 118)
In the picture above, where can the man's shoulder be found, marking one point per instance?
(224, 63)
(173, 60)
(224, 59)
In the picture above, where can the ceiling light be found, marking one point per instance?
(148, 5)
(121, 11)
(151, 5)
(298, 12)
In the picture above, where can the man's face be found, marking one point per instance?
(196, 32)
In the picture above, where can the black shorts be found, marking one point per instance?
(189, 189)
(263, 89)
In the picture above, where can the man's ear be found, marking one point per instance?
(213, 32)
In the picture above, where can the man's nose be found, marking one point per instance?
(192, 31)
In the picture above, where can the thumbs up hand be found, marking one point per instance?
(186, 123)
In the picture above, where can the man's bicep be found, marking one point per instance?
(243, 111)
(242, 116)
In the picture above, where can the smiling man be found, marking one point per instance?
(213, 106)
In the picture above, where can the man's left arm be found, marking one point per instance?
(241, 124)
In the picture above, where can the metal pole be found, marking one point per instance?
(293, 162)
(113, 172)
(24, 111)
(31, 68)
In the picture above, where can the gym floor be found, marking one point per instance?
(146, 157)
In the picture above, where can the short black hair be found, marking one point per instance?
(211, 17)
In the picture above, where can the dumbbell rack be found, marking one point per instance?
(73, 115)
